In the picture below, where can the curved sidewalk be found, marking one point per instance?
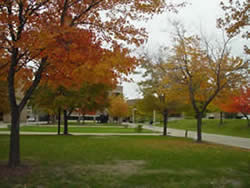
(214, 138)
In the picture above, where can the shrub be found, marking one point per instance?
(138, 129)
(125, 126)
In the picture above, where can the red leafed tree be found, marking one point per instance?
(239, 104)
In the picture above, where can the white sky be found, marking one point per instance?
(199, 15)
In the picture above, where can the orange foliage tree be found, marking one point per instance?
(89, 97)
(236, 18)
(158, 91)
(118, 108)
(239, 103)
(203, 70)
(64, 40)
(222, 98)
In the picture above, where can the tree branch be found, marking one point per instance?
(93, 4)
(37, 79)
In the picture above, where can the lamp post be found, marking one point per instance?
(154, 116)
(134, 109)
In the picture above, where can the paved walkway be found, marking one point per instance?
(84, 134)
(5, 125)
(219, 139)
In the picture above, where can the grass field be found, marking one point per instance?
(84, 129)
(124, 162)
(91, 123)
(231, 127)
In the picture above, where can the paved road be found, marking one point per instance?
(219, 139)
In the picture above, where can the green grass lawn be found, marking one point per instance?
(124, 162)
(84, 129)
(90, 123)
(231, 127)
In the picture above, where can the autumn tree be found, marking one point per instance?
(215, 106)
(239, 104)
(58, 39)
(236, 18)
(222, 98)
(138, 112)
(145, 107)
(54, 100)
(118, 107)
(93, 97)
(159, 94)
(90, 97)
(43, 101)
(203, 70)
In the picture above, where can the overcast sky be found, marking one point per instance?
(199, 15)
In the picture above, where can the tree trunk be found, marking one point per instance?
(199, 124)
(79, 119)
(48, 120)
(248, 125)
(83, 119)
(59, 122)
(119, 120)
(65, 122)
(221, 118)
(165, 117)
(14, 153)
(54, 119)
